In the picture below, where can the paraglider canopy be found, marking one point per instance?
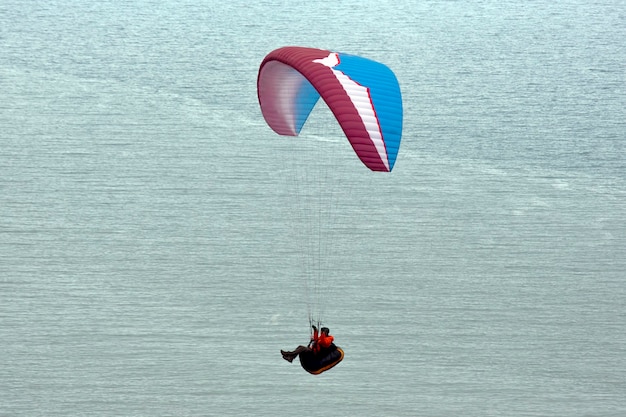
(363, 95)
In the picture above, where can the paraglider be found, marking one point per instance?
(363, 96)
(320, 355)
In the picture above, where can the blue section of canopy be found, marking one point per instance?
(385, 94)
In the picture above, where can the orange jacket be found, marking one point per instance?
(321, 341)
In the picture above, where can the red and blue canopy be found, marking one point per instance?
(364, 96)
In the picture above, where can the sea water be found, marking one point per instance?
(148, 263)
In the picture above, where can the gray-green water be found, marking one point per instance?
(146, 267)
